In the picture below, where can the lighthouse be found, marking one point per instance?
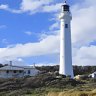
(65, 67)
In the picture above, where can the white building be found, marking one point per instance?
(17, 71)
(93, 75)
(65, 41)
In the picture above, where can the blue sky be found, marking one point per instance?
(29, 31)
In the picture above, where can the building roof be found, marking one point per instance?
(94, 72)
(11, 68)
(28, 67)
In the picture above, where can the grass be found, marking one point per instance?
(73, 93)
(49, 91)
(47, 85)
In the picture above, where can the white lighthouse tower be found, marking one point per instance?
(65, 42)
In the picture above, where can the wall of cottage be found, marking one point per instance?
(11, 73)
(18, 73)
(30, 72)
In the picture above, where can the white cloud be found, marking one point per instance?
(52, 8)
(84, 32)
(20, 59)
(46, 64)
(15, 61)
(39, 6)
(28, 33)
(85, 56)
(83, 25)
(49, 45)
(5, 41)
(33, 6)
(55, 26)
(5, 7)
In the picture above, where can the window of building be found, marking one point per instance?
(28, 71)
(66, 25)
(20, 71)
(14, 71)
(95, 75)
(7, 71)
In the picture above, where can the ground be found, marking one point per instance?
(47, 84)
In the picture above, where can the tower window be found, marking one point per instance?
(66, 25)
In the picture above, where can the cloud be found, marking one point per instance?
(28, 33)
(49, 45)
(46, 64)
(33, 6)
(84, 32)
(15, 61)
(52, 8)
(5, 41)
(39, 6)
(55, 26)
(85, 56)
(83, 25)
(5, 7)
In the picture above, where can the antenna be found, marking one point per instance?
(65, 1)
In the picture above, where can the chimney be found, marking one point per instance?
(10, 63)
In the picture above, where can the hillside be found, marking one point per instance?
(46, 84)
(43, 84)
(81, 70)
(40, 81)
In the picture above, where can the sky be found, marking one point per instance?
(29, 31)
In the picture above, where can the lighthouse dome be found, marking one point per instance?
(65, 7)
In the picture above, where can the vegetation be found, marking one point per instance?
(49, 83)
(81, 70)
